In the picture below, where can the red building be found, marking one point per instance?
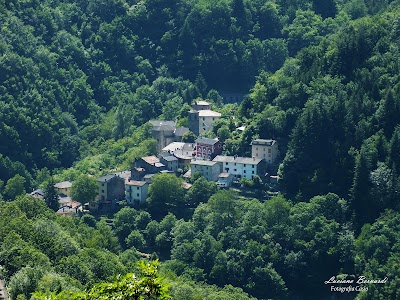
(208, 148)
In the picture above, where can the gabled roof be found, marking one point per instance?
(151, 160)
(105, 178)
(63, 185)
(208, 113)
(237, 159)
(200, 103)
(169, 158)
(38, 192)
(158, 123)
(203, 163)
(180, 131)
(148, 175)
(263, 142)
(123, 174)
(207, 141)
(181, 156)
(135, 182)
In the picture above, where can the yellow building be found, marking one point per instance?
(265, 149)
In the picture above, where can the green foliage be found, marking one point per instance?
(84, 189)
(14, 187)
(149, 285)
(166, 192)
(51, 196)
(200, 191)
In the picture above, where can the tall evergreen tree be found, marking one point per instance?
(51, 196)
(360, 192)
(394, 151)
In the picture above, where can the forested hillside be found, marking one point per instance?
(79, 80)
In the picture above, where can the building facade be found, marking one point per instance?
(242, 167)
(225, 180)
(166, 132)
(265, 149)
(201, 121)
(171, 162)
(147, 165)
(208, 148)
(63, 187)
(201, 105)
(136, 192)
(209, 169)
(111, 189)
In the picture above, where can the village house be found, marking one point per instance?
(171, 162)
(225, 180)
(63, 187)
(201, 121)
(136, 192)
(208, 148)
(179, 133)
(184, 152)
(201, 105)
(148, 178)
(166, 132)
(111, 189)
(209, 169)
(70, 210)
(185, 149)
(39, 193)
(242, 167)
(265, 149)
(146, 165)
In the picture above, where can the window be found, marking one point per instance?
(226, 164)
(204, 118)
(235, 170)
(235, 164)
(137, 194)
(256, 148)
(269, 155)
(101, 185)
(257, 154)
(213, 119)
(252, 172)
(137, 187)
(244, 165)
(269, 150)
(204, 129)
(244, 171)
(252, 166)
(102, 191)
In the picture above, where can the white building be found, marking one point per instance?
(182, 149)
(209, 169)
(136, 192)
(201, 121)
(225, 180)
(240, 167)
(265, 149)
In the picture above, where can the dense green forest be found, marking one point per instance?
(80, 79)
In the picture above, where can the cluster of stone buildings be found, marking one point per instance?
(225, 169)
(204, 156)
